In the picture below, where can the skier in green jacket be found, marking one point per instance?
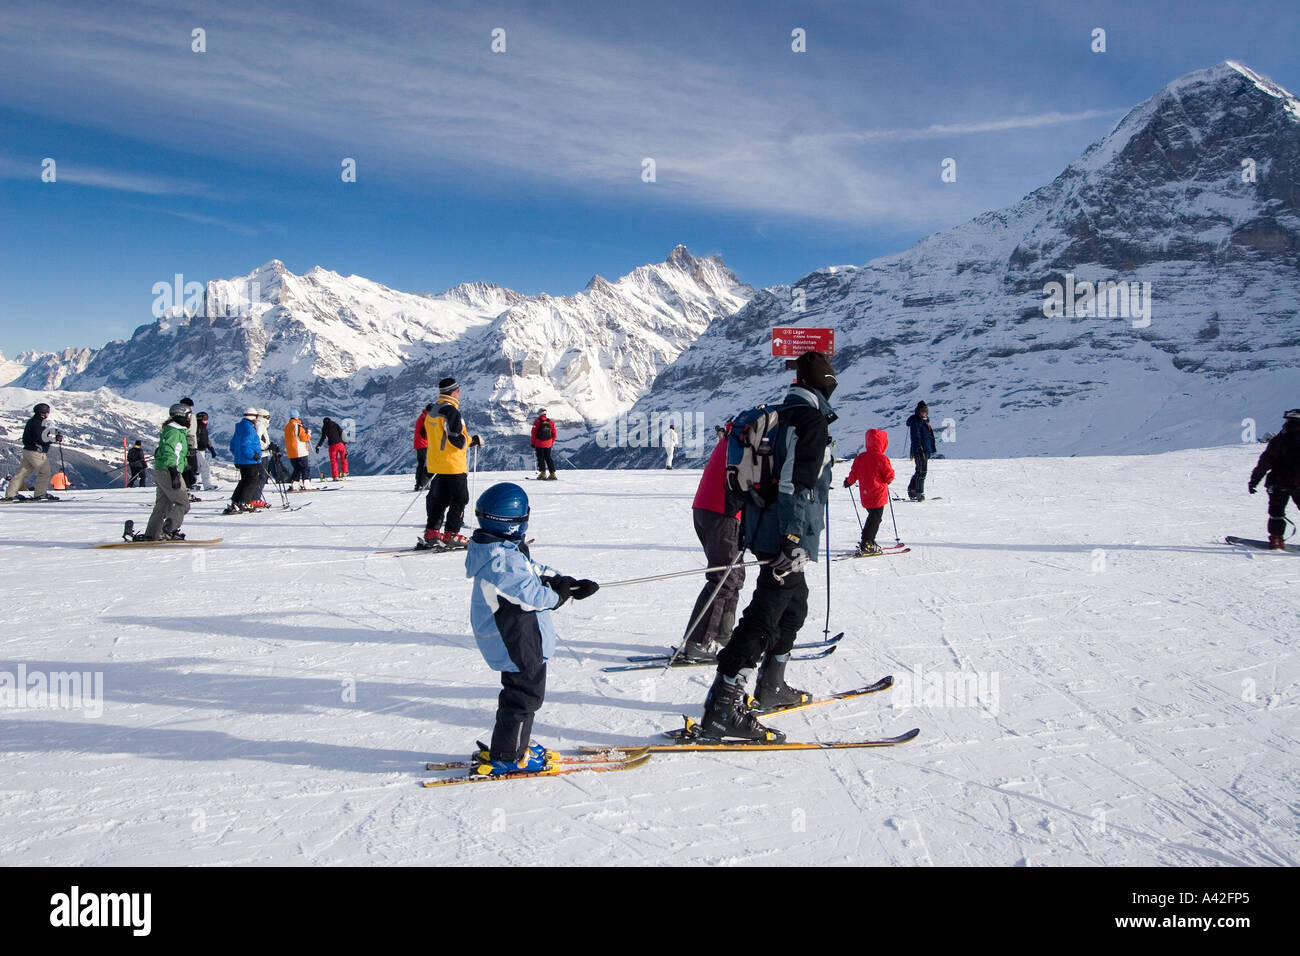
(171, 502)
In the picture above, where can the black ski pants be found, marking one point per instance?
(1277, 502)
(544, 460)
(720, 536)
(137, 477)
(246, 489)
(421, 469)
(770, 625)
(872, 527)
(448, 494)
(523, 691)
(916, 487)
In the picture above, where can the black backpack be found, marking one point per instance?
(545, 432)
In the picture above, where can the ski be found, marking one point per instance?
(441, 549)
(555, 772)
(883, 684)
(608, 755)
(709, 744)
(884, 553)
(664, 662)
(183, 543)
(29, 500)
(914, 501)
(664, 658)
(1263, 545)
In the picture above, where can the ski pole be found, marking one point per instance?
(897, 539)
(474, 477)
(827, 631)
(855, 509)
(681, 574)
(690, 628)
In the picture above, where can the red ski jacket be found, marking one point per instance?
(421, 439)
(545, 442)
(872, 471)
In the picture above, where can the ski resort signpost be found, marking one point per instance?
(790, 343)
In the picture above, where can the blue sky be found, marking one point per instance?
(524, 167)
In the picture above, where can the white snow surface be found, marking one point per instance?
(1145, 705)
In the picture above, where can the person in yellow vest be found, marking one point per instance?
(448, 438)
(297, 446)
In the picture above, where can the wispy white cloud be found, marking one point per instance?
(70, 171)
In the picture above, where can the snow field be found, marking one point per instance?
(1097, 678)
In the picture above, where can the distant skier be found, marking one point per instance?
(246, 452)
(297, 448)
(191, 472)
(921, 449)
(716, 513)
(171, 500)
(331, 435)
(785, 534)
(1279, 469)
(872, 472)
(135, 463)
(671, 441)
(206, 453)
(266, 455)
(510, 612)
(543, 439)
(449, 488)
(420, 444)
(38, 435)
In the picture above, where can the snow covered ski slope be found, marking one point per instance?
(1099, 679)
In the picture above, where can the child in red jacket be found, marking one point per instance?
(872, 473)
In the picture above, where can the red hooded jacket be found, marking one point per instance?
(421, 440)
(872, 471)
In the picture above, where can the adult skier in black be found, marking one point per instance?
(921, 450)
(135, 462)
(38, 435)
(786, 535)
(1279, 469)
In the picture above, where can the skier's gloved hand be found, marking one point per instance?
(1251, 489)
(176, 478)
(475, 441)
(584, 588)
(846, 482)
(791, 559)
(561, 584)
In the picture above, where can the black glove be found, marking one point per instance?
(584, 588)
(58, 437)
(561, 584)
(475, 441)
(791, 559)
(846, 483)
(1251, 489)
(176, 478)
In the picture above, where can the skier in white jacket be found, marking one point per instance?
(671, 441)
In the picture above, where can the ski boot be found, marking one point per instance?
(432, 541)
(484, 753)
(551, 476)
(233, 509)
(45, 497)
(541, 476)
(194, 498)
(868, 549)
(697, 652)
(536, 759)
(725, 714)
(1276, 543)
(128, 531)
(772, 690)
(454, 542)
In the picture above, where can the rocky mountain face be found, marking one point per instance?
(1188, 212)
(371, 357)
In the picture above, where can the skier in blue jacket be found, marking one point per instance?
(246, 451)
(510, 613)
(921, 449)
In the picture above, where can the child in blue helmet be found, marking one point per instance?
(510, 613)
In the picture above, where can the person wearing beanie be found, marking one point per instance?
(1279, 469)
(206, 453)
(135, 465)
(191, 473)
(331, 434)
(297, 448)
(38, 435)
(448, 440)
(246, 452)
(921, 449)
(543, 439)
(420, 446)
(785, 535)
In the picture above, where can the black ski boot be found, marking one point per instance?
(697, 652)
(725, 714)
(772, 690)
(128, 531)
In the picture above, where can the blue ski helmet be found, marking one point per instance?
(503, 510)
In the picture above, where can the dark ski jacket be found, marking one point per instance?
(1280, 460)
(135, 458)
(205, 443)
(802, 441)
(331, 433)
(34, 435)
(922, 436)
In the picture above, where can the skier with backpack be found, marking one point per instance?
(1279, 469)
(781, 464)
(510, 613)
(543, 438)
(921, 451)
(872, 472)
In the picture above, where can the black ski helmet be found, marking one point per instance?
(1292, 415)
(180, 414)
(41, 409)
